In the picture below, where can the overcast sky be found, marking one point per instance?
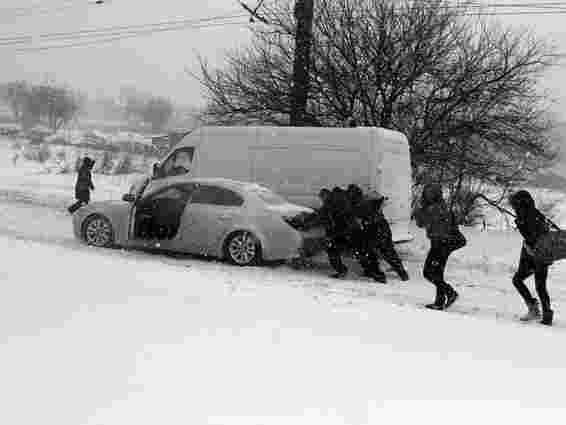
(157, 62)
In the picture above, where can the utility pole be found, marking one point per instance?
(304, 11)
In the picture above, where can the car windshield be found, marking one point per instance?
(269, 197)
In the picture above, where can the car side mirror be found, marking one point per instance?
(128, 197)
(156, 171)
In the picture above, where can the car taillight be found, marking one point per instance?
(297, 222)
(289, 220)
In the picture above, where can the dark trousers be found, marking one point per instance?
(364, 247)
(434, 266)
(376, 242)
(527, 267)
(82, 199)
(369, 260)
(334, 250)
(387, 250)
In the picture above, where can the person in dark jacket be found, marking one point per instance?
(374, 236)
(434, 216)
(84, 184)
(336, 217)
(531, 224)
(340, 224)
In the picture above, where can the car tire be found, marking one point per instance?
(243, 248)
(98, 231)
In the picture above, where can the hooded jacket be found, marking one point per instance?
(433, 214)
(84, 184)
(530, 222)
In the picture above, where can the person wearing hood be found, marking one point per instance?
(374, 235)
(531, 224)
(435, 217)
(84, 185)
(332, 216)
(341, 226)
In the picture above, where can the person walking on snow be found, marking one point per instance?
(84, 185)
(435, 217)
(531, 224)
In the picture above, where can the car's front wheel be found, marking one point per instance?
(243, 249)
(98, 231)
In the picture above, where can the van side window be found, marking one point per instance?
(213, 195)
(179, 162)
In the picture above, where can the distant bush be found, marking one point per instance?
(78, 163)
(124, 165)
(105, 163)
(44, 153)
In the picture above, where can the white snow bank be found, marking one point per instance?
(94, 337)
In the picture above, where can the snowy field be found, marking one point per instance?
(104, 337)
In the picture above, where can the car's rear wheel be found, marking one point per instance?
(243, 249)
(98, 231)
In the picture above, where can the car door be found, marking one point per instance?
(211, 212)
(167, 203)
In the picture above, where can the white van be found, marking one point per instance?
(297, 162)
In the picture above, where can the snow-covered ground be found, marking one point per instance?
(90, 336)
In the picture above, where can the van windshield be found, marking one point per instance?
(269, 197)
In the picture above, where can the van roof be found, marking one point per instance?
(332, 134)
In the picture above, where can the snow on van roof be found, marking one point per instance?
(331, 135)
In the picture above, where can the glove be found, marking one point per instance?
(529, 249)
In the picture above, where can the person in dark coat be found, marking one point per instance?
(435, 217)
(531, 224)
(335, 216)
(84, 184)
(375, 235)
(342, 226)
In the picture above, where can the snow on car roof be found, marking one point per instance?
(219, 180)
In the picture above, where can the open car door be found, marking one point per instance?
(156, 217)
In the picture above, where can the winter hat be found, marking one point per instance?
(88, 162)
(374, 195)
(355, 192)
(339, 197)
(324, 193)
(522, 200)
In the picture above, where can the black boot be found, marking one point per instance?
(340, 274)
(403, 275)
(547, 316)
(439, 301)
(451, 296)
(377, 276)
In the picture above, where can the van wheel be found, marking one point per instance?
(98, 231)
(243, 249)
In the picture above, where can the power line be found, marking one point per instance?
(128, 31)
(113, 30)
(106, 39)
(8, 15)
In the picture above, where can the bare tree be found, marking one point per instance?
(31, 104)
(464, 90)
(157, 111)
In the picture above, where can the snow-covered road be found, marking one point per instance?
(103, 337)
(91, 337)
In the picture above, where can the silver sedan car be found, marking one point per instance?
(243, 223)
